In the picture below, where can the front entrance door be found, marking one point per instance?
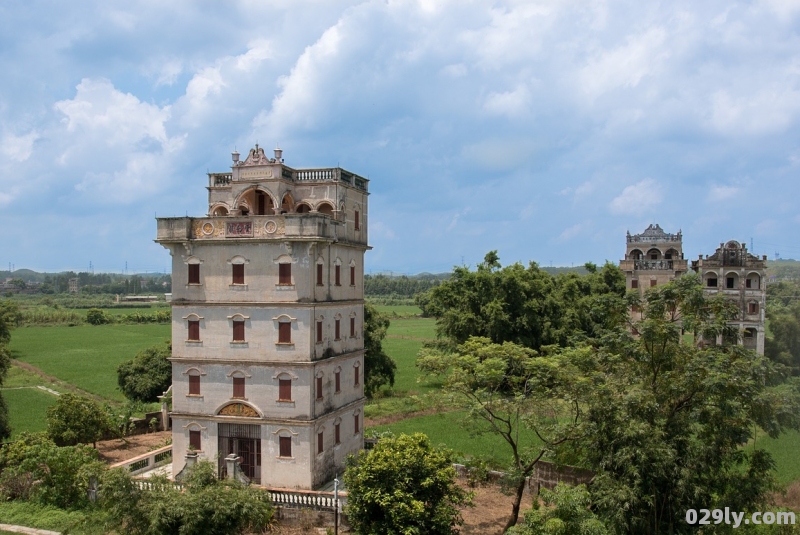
(243, 441)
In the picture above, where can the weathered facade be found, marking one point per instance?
(653, 258)
(267, 321)
(741, 277)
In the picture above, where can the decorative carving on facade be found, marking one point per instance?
(239, 229)
(256, 157)
(238, 409)
(654, 233)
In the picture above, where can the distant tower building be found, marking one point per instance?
(268, 321)
(73, 286)
(653, 258)
(740, 277)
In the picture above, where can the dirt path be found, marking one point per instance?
(118, 449)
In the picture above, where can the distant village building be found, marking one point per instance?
(741, 277)
(73, 286)
(268, 321)
(655, 257)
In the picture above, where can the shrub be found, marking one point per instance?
(75, 420)
(95, 316)
(147, 375)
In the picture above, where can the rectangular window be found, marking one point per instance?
(194, 330)
(752, 308)
(319, 388)
(352, 275)
(356, 424)
(285, 390)
(356, 377)
(238, 387)
(285, 274)
(319, 332)
(338, 380)
(238, 331)
(338, 272)
(284, 332)
(357, 221)
(238, 273)
(194, 273)
(748, 283)
(634, 283)
(668, 256)
(194, 385)
(336, 330)
(336, 434)
(194, 440)
(654, 256)
(729, 282)
(352, 327)
(319, 274)
(653, 283)
(320, 442)
(286, 446)
(711, 282)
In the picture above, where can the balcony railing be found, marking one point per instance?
(287, 226)
(653, 264)
(219, 180)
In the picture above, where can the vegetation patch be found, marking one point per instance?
(86, 356)
(27, 407)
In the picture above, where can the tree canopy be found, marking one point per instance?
(524, 305)
(404, 485)
(380, 367)
(148, 375)
(671, 409)
(76, 420)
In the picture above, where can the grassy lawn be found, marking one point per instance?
(448, 428)
(86, 356)
(785, 451)
(399, 310)
(27, 408)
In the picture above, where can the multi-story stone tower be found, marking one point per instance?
(267, 321)
(741, 277)
(653, 258)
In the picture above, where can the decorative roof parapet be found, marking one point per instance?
(654, 233)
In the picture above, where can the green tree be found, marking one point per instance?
(566, 512)
(784, 323)
(404, 485)
(526, 306)
(671, 410)
(147, 375)
(507, 388)
(54, 475)
(9, 317)
(207, 506)
(380, 367)
(76, 420)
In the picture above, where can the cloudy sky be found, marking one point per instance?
(543, 129)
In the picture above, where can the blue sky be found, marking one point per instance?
(544, 130)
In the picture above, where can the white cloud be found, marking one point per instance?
(722, 193)
(625, 66)
(638, 198)
(116, 118)
(763, 111)
(510, 103)
(18, 148)
(571, 232)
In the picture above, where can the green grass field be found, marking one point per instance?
(785, 451)
(27, 407)
(449, 429)
(86, 356)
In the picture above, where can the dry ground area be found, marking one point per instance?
(488, 517)
(119, 449)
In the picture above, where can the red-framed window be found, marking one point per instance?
(285, 446)
(319, 388)
(238, 273)
(238, 330)
(285, 274)
(195, 442)
(319, 275)
(194, 330)
(285, 390)
(337, 329)
(194, 273)
(194, 385)
(284, 332)
(338, 275)
(319, 332)
(238, 387)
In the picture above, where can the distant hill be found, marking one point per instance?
(783, 269)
